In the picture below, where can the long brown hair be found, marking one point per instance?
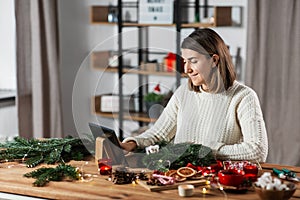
(207, 42)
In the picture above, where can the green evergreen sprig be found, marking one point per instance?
(49, 151)
(174, 156)
(45, 175)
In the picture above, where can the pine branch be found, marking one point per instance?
(174, 156)
(49, 151)
(45, 175)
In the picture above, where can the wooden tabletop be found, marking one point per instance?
(12, 181)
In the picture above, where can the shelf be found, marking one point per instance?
(143, 72)
(185, 25)
(197, 25)
(99, 61)
(136, 71)
(142, 117)
(135, 24)
(222, 17)
(7, 98)
(104, 23)
(188, 25)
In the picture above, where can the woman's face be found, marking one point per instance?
(197, 66)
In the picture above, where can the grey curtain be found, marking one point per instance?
(273, 71)
(38, 85)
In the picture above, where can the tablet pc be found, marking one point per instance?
(102, 131)
(115, 151)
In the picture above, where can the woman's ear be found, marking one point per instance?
(215, 58)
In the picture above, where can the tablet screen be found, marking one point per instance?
(102, 131)
(116, 152)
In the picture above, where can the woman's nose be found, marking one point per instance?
(187, 68)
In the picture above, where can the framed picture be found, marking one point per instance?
(156, 11)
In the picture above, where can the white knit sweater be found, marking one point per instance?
(230, 123)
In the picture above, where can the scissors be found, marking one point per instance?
(286, 174)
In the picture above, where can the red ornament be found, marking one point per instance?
(251, 171)
(157, 89)
(217, 166)
(231, 177)
(105, 170)
(170, 59)
(105, 166)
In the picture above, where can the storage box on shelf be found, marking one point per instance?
(104, 60)
(135, 116)
(151, 67)
(222, 16)
(103, 14)
(98, 14)
(109, 103)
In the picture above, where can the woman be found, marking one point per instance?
(212, 109)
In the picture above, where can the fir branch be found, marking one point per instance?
(34, 161)
(174, 156)
(45, 175)
(50, 151)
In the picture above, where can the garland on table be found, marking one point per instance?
(174, 156)
(45, 175)
(49, 151)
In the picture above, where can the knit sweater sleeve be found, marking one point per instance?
(164, 128)
(254, 145)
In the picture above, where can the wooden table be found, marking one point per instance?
(12, 181)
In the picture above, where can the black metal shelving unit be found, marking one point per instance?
(179, 23)
(120, 68)
(144, 51)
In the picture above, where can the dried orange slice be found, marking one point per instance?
(198, 175)
(186, 172)
(177, 177)
(170, 172)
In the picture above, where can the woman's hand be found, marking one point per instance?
(128, 146)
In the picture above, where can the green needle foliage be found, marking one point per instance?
(153, 97)
(174, 156)
(45, 175)
(49, 151)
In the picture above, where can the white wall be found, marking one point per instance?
(8, 113)
(8, 121)
(7, 48)
(78, 38)
(235, 36)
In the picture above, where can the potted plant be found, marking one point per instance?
(153, 101)
(153, 97)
